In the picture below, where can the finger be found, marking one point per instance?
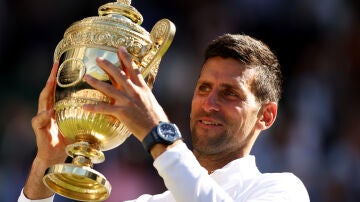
(116, 112)
(104, 87)
(109, 68)
(46, 98)
(129, 66)
(42, 120)
(116, 75)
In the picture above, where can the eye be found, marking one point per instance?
(203, 88)
(230, 93)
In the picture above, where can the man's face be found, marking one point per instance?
(224, 110)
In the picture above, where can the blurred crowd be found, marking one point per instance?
(316, 135)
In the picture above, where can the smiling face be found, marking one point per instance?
(225, 113)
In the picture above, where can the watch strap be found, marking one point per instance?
(151, 139)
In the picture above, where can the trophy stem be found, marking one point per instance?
(77, 180)
(82, 161)
(84, 153)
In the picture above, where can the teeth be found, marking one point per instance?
(209, 123)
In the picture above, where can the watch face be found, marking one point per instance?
(168, 131)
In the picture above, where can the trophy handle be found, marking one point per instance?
(162, 35)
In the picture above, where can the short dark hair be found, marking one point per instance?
(253, 53)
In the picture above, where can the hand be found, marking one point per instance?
(133, 103)
(50, 142)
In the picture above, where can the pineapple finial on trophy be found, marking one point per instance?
(121, 8)
(127, 2)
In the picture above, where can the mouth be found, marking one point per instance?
(209, 123)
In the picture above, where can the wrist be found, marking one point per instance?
(34, 187)
(160, 138)
(159, 149)
(42, 162)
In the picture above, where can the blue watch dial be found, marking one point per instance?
(164, 133)
(168, 131)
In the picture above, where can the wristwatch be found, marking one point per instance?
(164, 133)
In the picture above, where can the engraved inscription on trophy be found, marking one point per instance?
(70, 73)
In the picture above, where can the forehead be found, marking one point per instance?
(225, 70)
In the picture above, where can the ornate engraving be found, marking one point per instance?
(118, 24)
(70, 73)
(103, 37)
(127, 2)
(160, 31)
(104, 32)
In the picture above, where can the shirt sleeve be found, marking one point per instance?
(186, 179)
(23, 198)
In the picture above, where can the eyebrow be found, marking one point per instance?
(222, 85)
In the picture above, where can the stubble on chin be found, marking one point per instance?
(209, 144)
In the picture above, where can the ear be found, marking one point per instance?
(267, 115)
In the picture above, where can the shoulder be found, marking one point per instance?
(286, 183)
(279, 186)
(280, 179)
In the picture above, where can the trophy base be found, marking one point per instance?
(80, 183)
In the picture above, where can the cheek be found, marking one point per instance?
(240, 120)
(250, 121)
(195, 104)
(192, 113)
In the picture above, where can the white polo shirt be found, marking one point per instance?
(240, 180)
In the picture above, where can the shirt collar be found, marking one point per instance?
(239, 169)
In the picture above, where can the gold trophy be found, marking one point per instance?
(118, 24)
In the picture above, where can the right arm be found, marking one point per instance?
(50, 143)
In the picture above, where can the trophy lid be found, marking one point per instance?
(118, 24)
(121, 8)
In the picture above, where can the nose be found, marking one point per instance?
(211, 102)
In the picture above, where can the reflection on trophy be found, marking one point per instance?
(118, 24)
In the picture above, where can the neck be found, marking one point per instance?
(212, 162)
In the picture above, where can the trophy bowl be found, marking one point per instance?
(89, 134)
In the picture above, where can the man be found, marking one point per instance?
(236, 97)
